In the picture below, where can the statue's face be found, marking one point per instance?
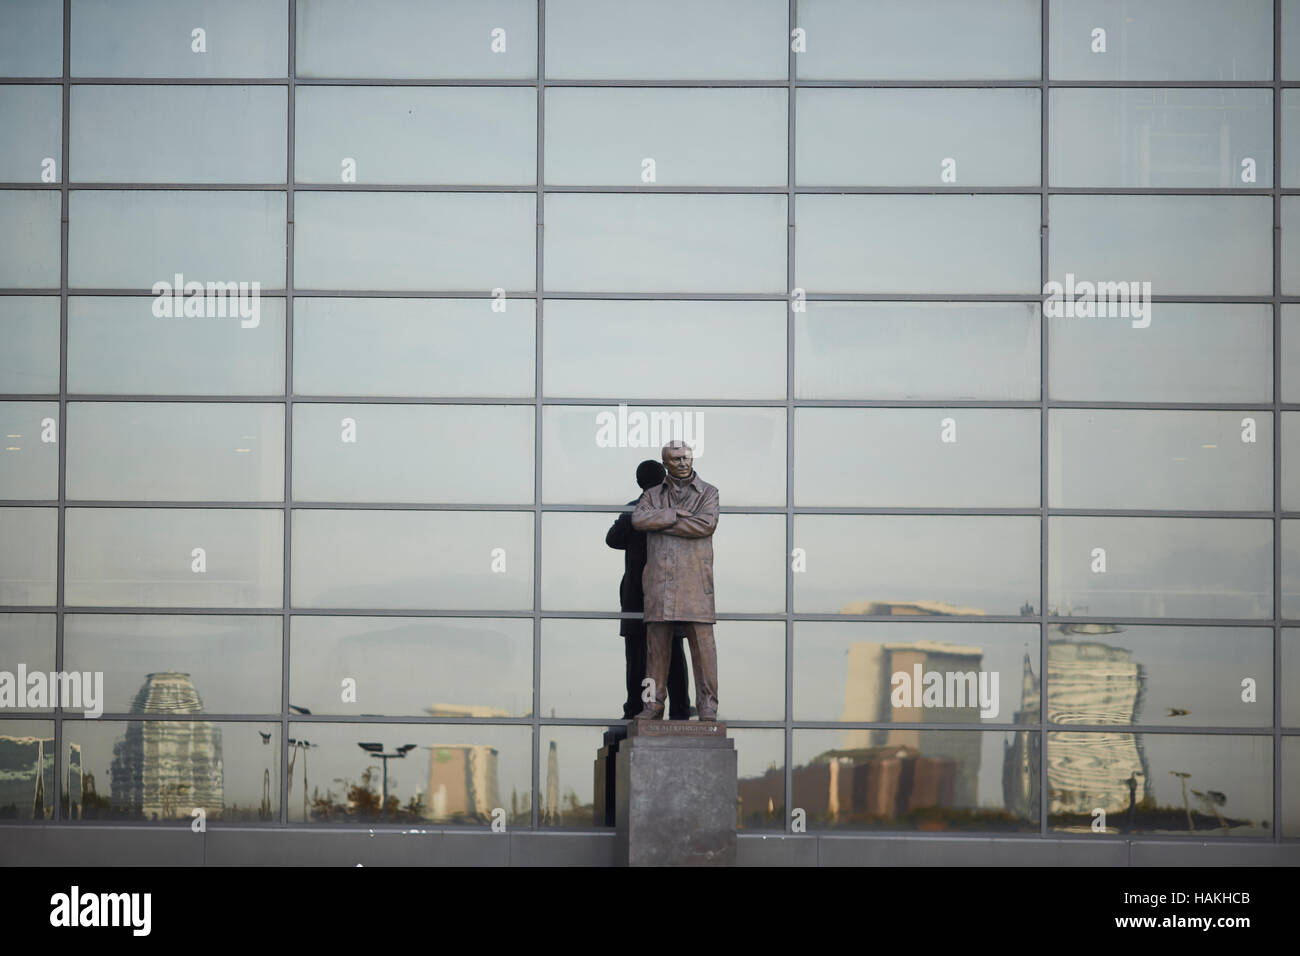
(678, 461)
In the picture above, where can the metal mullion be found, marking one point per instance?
(1276, 828)
(787, 735)
(286, 597)
(1044, 363)
(538, 391)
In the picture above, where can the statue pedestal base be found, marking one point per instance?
(675, 794)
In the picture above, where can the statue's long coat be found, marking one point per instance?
(678, 576)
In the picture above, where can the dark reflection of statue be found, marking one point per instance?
(679, 517)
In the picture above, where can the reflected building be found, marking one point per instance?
(163, 769)
(25, 762)
(463, 777)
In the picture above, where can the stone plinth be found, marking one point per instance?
(675, 794)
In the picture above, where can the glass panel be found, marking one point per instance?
(212, 134)
(939, 457)
(1290, 221)
(28, 549)
(29, 238)
(1290, 160)
(174, 451)
(958, 780)
(31, 139)
(1290, 461)
(1190, 352)
(27, 794)
(232, 664)
(454, 773)
(760, 784)
(1160, 567)
(1290, 681)
(1182, 245)
(916, 564)
(29, 452)
(130, 240)
(580, 574)
(413, 347)
(878, 243)
(1290, 39)
(665, 243)
(174, 557)
(910, 350)
(413, 39)
(157, 38)
(413, 241)
(1161, 138)
(1290, 755)
(566, 797)
(1161, 40)
(584, 664)
(396, 134)
(413, 559)
(116, 345)
(726, 40)
(160, 771)
(885, 137)
(1170, 784)
(1291, 568)
(1289, 387)
(413, 667)
(29, 328)
(693, 137)
(627, 348)
(910, 40)
(26, 641)
(863, 672)
(471, 454)
(1136, 674)
(590, 453)
(1163, 460)
(32, 41)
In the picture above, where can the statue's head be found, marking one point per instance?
(679, 461)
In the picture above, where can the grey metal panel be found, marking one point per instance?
(776, 849)
(562, 849)
(1190, 854)
(78, 846)
(990, 851)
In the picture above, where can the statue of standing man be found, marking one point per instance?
(679, 517)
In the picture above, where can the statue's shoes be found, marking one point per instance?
(650, 714)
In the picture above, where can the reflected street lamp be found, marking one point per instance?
(377, 750)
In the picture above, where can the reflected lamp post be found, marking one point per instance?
(377, 750)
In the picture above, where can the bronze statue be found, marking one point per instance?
(679, 517)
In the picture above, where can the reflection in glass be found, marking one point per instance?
(881, 243)
(917, 564)
(760, 783)
(131, 239)
(1290, 161)
(32, 41)
(413, 667)
(29, 327)
(473, 454)
(413, 347)
(399, 134)
(213, 134)
(1291, 568)
(29, 238)
(931, 780)
(174, 451)
(1171, 784)
(29, 450)
(160, 771)
(233, 662)
(27, 771)
(28, 550)
(566, 796)
(1161, 40)
(391, 39)
(1191, 352)
(1182, 245)
(33, 130)
(917, 137)
(245, 38)
(939, 457)
(865, 672)
(695, 137)
(454, 773)
(174, 557)
(470, 560)
(615, 242)
(1160, 137)
(1290, 677)
(1290, 221)
(580, 573)
(116, 345)
(26, 640)
(1160, 459)
(1137, 674)
(1290, 786)
(727, 40)
(590, 452)
(910, 350)
(632, 349)
(414, 241)
(1289, 386)
(931, 40)
(1160, 567)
